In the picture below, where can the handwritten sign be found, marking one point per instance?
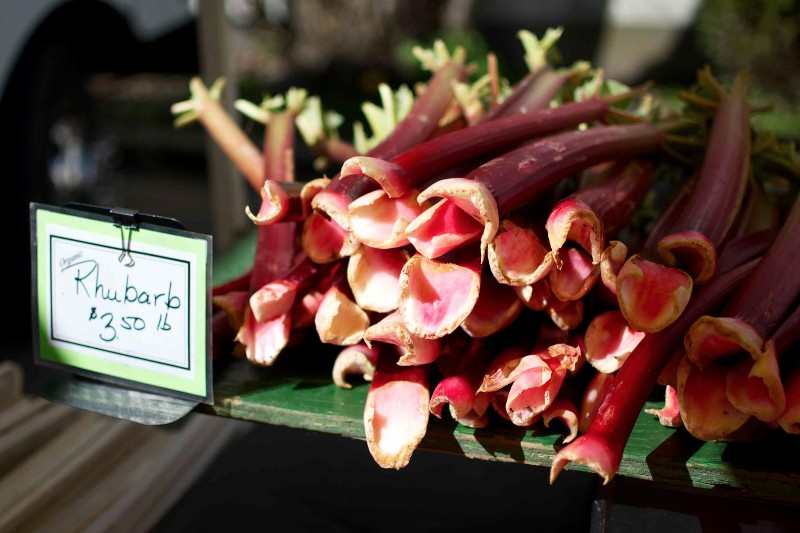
(134, 311)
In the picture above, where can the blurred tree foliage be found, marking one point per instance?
(762, 36)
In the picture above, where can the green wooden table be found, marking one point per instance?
(298, 392)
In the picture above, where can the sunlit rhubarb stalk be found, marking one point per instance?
(669, 415)
(414, 350)
(339, 320)
(609, 341)
(279, 144)
(396, 411)
(753, 314)
(459, 391)
(587, 218)
(277, 297)
(405, 171)
(609, 337)
(506, 366)
(436, 296)
(542, 83)
(356, 360)
(593, 396)
(266, 334)
(264, 341)
(520, 176)
(204, 106)
(650, 295)
(601, 447)
(533, 391)
(565, 410)
(517, 256)
(420, 122)
(374, 275)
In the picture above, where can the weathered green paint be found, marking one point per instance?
(298, 392)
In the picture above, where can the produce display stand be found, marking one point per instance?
(298, 392)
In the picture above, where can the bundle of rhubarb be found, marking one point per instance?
(553, 249)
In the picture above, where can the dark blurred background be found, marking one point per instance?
(85, 92)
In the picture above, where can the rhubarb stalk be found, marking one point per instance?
(396, 412)
(601, 447)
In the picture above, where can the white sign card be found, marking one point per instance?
(123, 300)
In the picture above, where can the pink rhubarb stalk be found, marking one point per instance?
(339, 320)
(574, 274)
(669, 415)
(652, 296)
(374, 276)
(565, 410)
(517, 256)
(460, 391)
(396, 412)
(277, 297)
(520, 176)
(588, 216)
(436, 296)
(421, 121)
(533, 391)
(356, 360)
(414, 350)
(609, 341)
(601, 447)
(264, 341)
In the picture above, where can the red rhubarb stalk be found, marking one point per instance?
(753, 314)
(601, 447)
(714, 205)
(520, 176)
(396, 412)
(437, 295)
(418, 125)
(357, 360)
(408, 169)
(414, 350)
(609, 341)
(593, 396)
(460, 391)
(588, 216)
(517, 256)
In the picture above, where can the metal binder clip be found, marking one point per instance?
(125, 218)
